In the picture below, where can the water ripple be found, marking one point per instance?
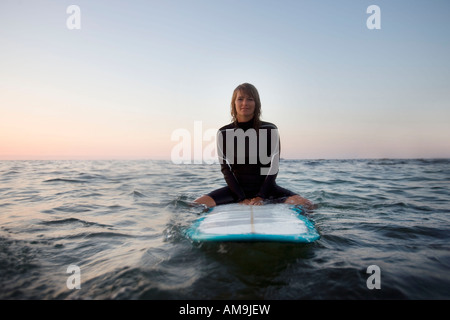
(124, 222)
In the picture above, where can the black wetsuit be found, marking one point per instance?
(244, 173)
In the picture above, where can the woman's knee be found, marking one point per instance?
(206, 200)
(298, 200)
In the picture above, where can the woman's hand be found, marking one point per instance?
(257, 201)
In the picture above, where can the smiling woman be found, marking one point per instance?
(250, 180)
(246, 104)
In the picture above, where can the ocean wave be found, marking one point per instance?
(123, 223)
(73, 221)
(64, 180)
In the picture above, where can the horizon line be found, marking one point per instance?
(193, 162)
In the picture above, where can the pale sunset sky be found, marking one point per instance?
(136, 71)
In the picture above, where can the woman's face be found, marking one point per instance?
(245, 107)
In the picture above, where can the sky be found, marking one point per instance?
(133, 73)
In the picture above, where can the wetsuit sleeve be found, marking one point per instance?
(228, 174)
(266, 188)
(270, 178)
(232, 182)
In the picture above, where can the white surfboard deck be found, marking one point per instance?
(238, 222)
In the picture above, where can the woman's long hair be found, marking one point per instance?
(251, 91)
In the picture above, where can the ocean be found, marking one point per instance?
(115, 230)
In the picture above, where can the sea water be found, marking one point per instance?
(115, 230)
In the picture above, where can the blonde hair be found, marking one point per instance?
(251, 91)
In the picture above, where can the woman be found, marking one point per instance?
(248, 150)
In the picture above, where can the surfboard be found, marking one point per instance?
(269, 222)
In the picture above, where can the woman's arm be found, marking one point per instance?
(226, 169)
(273, 149)
(232, 182)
